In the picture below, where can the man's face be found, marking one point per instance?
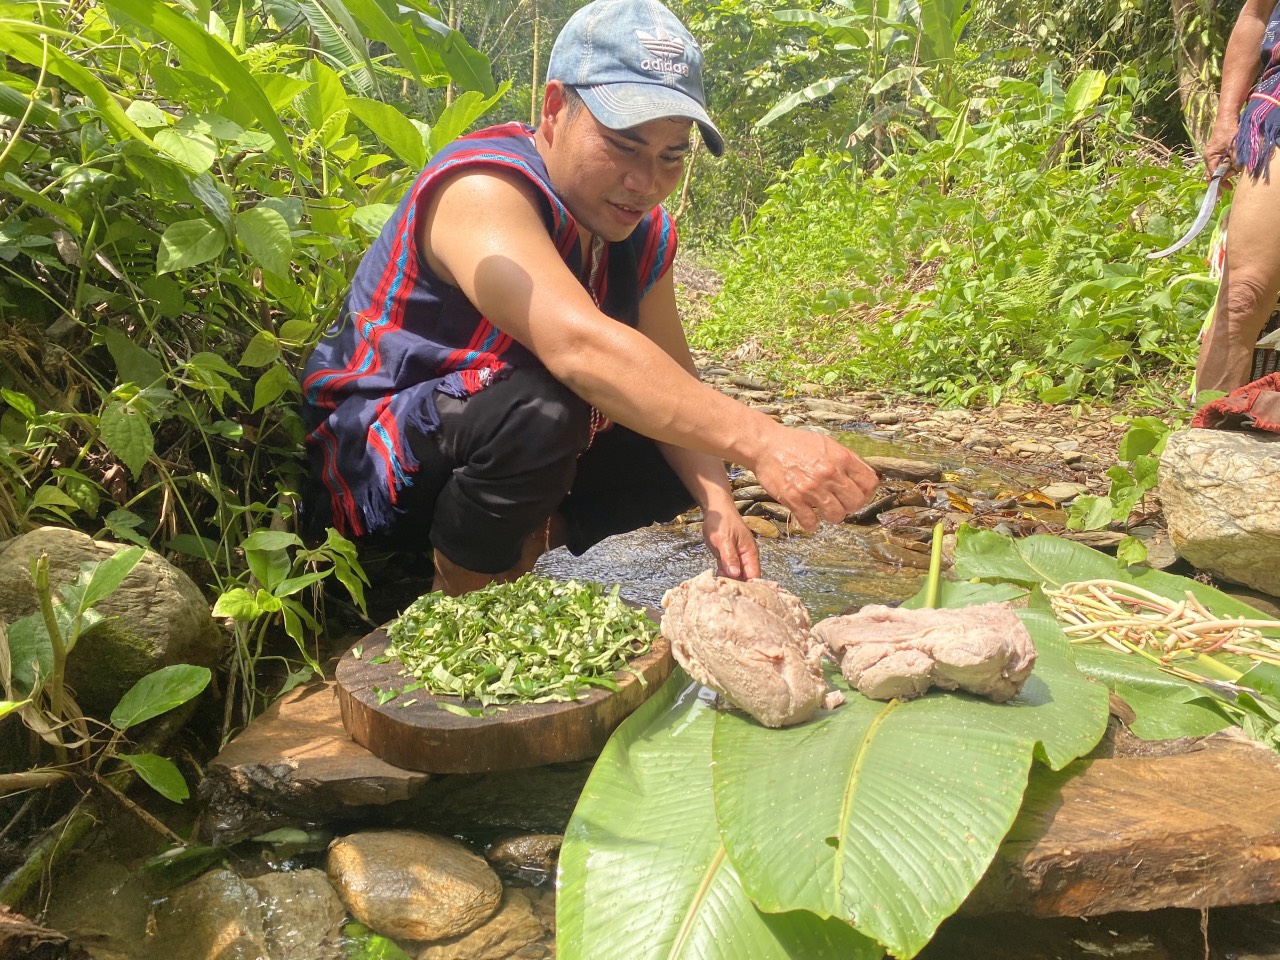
(609, 179)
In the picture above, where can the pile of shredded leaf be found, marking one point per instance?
(533, 640)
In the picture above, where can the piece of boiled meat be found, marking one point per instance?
(888, 652)
(750, 643)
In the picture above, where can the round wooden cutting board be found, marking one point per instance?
(422, 736)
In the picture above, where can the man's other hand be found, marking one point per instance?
(814, 476)
(1221, 145)
(731, 543)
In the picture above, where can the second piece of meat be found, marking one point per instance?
(750, 643)
(888, 652)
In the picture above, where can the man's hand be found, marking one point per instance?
(1221, 145)
(731, 543)
(814, 476)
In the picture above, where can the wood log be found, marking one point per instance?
(423, 736)
(1199, 829)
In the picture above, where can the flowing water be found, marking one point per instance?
(103, 900)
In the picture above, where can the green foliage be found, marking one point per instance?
(33, 658)
(183, 202)
(1002, 258)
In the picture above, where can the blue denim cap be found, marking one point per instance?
(633, 61)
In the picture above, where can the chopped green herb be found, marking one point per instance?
(357, 651)
(530, 641)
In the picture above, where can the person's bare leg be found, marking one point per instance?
(1250, 283)
(454, 580)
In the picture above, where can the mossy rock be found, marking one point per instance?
(156, 618)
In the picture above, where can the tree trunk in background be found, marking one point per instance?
(1197, 53)
(533, 82)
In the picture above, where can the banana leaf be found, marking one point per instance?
(643, 873)
(883, 814)
(887, 814)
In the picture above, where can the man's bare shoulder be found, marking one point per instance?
(479, 207)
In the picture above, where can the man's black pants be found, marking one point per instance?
(508, 457)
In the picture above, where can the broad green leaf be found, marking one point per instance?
(456, 118)
(239, 604)
(468, 66)
(372, 217)
(810, 93)
(202, 50)
(393, 129)
(265, 234)
(20, 402)
(324, 103)
(196, 153)
(159, 773)
(1160, 718)
(1090, 512)
(146, 114)
(272, 385)
(887, 814)
(132, 362)
(193, 546)
(158, 693)
(1131, 550)
(338, 35)
(188, 243)
(271, 540)
(127, 434)
(180, 864)
(643, 873)
(1084, 92)
(261, 350)
(30, 654)
(105, 576)
(66, 67)
(12, 185)
(15, 103)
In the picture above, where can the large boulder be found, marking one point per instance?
(413, 886)
(1222, 503)
(156, 618)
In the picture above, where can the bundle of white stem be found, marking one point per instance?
(1128, 617)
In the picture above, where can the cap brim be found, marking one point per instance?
(622, 105)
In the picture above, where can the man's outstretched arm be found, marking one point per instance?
(484, 232)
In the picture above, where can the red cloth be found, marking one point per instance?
(1255, 406)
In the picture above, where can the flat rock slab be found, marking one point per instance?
(898, 468)
(293, 764)
(1199, 829)
(414, 731)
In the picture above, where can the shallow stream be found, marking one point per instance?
(102, 899)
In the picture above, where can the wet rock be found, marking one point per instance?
(217, 916)
(885, 418)
(512, 928)
(899, 468)
(413, 886)
(296, 766)
(899, 556)
(775, 511)
(815, 428)
(769, 409)
(829, 416)
(1222, 504)
(717, 372)
(744, 478)
(753, 492)
(1063, 492)
(302, 915)
(531, 857)
(544, 907)
(156, 618)
(1098, 539)
(747, 383)
(20, 938)
(846, 411)
(761, 527)
(1030, 447)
